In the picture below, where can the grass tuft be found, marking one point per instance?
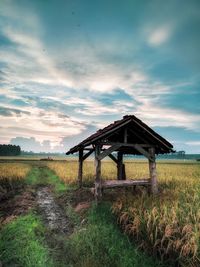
(100, 243)
(22, 243)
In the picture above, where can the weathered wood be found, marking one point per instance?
(138, 147)
(113, 158)
(80, 168)
(143, 151)
(157, 138)
(98, 190)
(125, 183)
(108, 151)
(88, 154)
(119, 165)
(125, 135)
(139, 136)
(109, 132)
(123, 172)
(138, 132)
(125, 144)
(87, 149)
(152, 171)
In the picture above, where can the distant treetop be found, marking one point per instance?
(9, 150)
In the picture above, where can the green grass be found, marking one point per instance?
(59, 186)
(44, 176)
(100, 243)
(32, 178)
(22, 243)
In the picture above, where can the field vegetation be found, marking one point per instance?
(14, 171)
(22, 243)
(167, 225)
(68, 170)
(101, 243)
(12, 175)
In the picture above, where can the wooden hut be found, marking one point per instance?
(126, 136)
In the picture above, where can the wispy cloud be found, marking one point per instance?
(10, 112)
(159, 35)
(193, 143)
(40, 123)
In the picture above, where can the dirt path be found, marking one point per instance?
(39, 196)
(51, 212)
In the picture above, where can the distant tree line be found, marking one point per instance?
(10, 150)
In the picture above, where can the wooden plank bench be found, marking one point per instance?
(122, 183)
(125, 183)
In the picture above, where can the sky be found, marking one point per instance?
(70, 67)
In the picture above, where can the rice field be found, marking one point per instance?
(12, 175)
(68, 171)
(13, 171)
(167, 225)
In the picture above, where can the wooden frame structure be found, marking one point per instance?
(126, 136)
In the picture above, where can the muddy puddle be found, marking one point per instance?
(51, 212)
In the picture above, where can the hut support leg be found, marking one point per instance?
(98, 191)
(152, 171)
(121, 173)
(80, 168)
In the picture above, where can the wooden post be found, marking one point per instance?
(98, 191)
(152, 171)
(121, 174)
(119, 165)
(80, 168)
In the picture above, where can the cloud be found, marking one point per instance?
(193, 143)
(11, 112)
(27, 144)
(156, 115)
(92, 107)
(68, 142)
(159, 35)
(31, 144)
(42, 124)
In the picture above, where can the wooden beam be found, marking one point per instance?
(113, 158)
(108, 151)
(88, 154)
(119, 165)
(111, 131)
(125, 135)
(139, 136)
(126, 144)
(98, 190)
(88, 148)
(138, 147)
(123, 172)
(143, 151)
(125, 183)
(152, 171)
(152, 134)
(80, 168)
